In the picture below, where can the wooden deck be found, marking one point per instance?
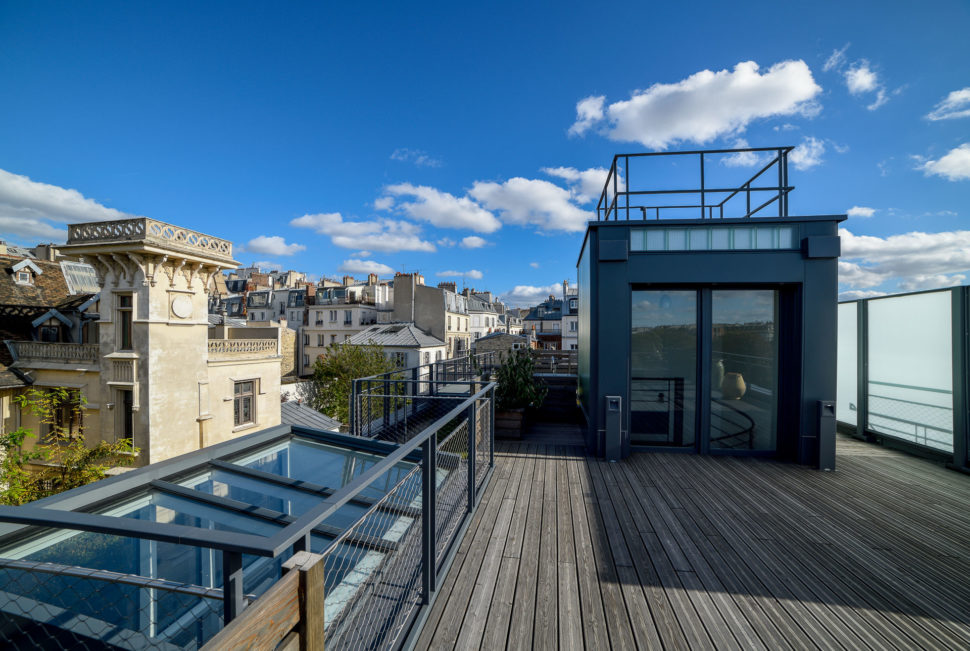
(682, 551)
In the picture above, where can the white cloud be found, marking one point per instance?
(913, 259)
(954, 105)
(364, 267)
(854, 294)
(35, 210)
(526, 295)
(266, 265)
(474, 274)
(534, 265)
(444, 210)
(860, 211)
(384, 203)
(953, 166)
(273, 245)
(589, 111)
(585, 185)
(360, 254)
(931, 281)
(473, 242)
(808, 154)
(741, 158)
(836, 60)
(31, 228)
(706, 105)
(446, 242)
(415, 156)
(532, 202)
(376, 235)
(860, 79)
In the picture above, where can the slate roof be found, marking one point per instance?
(399, 335)
(296, 413)
(476, 304)
(216, 319)
(552, 311)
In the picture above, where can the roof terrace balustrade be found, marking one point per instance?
(631, 190)
(29, 352)
(150, 231)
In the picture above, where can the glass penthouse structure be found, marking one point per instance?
(708, 314)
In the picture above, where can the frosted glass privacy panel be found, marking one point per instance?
(910, 385)
(845, 407)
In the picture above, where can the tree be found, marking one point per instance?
(329, 389)
(62, 461)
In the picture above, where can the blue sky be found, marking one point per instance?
(455, 139)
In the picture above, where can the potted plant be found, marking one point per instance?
(517, 390)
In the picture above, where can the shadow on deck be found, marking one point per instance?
(682, 551)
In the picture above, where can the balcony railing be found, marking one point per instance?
(57, 353)
(556, 362)
(241, 348)
(150, 231)
(626, 196)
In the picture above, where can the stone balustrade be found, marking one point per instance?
(148, 230)
(241, 348)
(42, 351)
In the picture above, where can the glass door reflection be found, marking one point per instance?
(744, 369)
(663, 365)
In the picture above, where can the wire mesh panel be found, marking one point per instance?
(372, 592)
(43, 605)
(483, 440)
(451, 501)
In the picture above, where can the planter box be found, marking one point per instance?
(509, 424)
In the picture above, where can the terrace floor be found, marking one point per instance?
(683, 551)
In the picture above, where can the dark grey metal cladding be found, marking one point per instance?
(810, 284)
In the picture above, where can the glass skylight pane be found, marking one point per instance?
(720, 238)
(655, 239)
(676, 239)
(742, 238)
(765, 236)
(786, 236)
(698, 239)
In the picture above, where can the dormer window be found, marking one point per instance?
(25, 271)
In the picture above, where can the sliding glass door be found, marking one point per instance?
(739, 352)
(744, 369)
(663, 383)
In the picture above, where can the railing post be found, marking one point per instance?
(311, 593)
(429, 568)
(352, 425)
(471, 457)
(233, 600)
(491, 428)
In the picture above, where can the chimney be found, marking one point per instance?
(450, 286)
(311, 290)
(3, 248)
(348, 280)
(565, 289)
(45, 252)
(372, 279)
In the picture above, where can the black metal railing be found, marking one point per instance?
(621, 198)
(396, 405)
(379, 570)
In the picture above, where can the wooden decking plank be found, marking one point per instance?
(782, 584)
(456, 604)
(523, 610)
(617, 623)
(652, 558)
(724, 589)
(570, 615)
(953, 616)
(593, 621)
(546, 633)
(479, 606)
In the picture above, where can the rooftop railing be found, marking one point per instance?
(57, 353)
(150, 231)
(628, 194)
(366, 586)
(220, 349)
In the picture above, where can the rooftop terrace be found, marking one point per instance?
(679, 551)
